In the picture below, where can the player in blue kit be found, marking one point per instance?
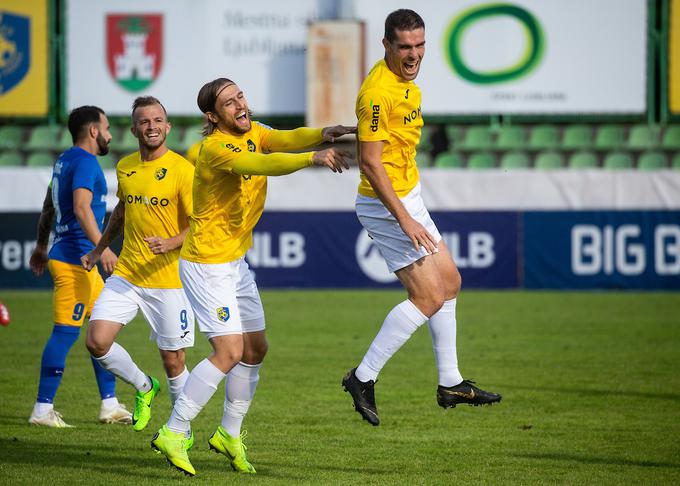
(77, 196)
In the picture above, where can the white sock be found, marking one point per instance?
(399, 325)
(443, 330)
(176, 384)
(240, 389)
(40, 409)
(199, 388)
(119, 362)
(110, 402)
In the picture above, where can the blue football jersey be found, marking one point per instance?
(75, 168)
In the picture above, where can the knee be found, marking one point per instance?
(97, 345)
(453, 285)
(255, 352)
(227, 358)
(430, 302)
(173, 362)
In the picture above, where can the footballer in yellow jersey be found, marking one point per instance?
(229, 192)
(391, 210)
(154, 191)
(388, 110)
(156, 196)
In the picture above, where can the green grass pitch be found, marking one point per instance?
(590, 384)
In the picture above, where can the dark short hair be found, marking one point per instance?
(402, 19)
(141, 101)
(80, 118)
(207, 96)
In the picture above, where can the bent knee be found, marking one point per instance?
(429, 303)
(255, 354)
(97, 346)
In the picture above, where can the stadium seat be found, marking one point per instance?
(511, 137)
(675, 163)
(449, 160)
(11, 158)
(65, 141)
(618, 161)
(643, 137)
(423, 159)
(192, 134)
(126, 142)
(577, 137)
(544, 137)
(11, 137)
(174, 140)
(515, 160)
(652, 161)
(583, 160)
(478, 138)
(44, 137)
(455, 135)
(482, 160)
(610, 137)
(40, 159)
(671, 138)
(549, 160)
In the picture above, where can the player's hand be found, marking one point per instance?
(89, 260)
(417, 233)
(158, 245)
(329, 134)
(332, 158)
(38, 261)
(109, 260)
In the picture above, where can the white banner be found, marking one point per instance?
(525, 56)
(443, 190)
(119, 50)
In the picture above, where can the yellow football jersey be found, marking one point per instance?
(157, 197)
(388, 110)
(227, 206)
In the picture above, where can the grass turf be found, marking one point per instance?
(590, 384)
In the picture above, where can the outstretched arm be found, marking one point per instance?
(278, 163)
(38, 260)
(304, 138)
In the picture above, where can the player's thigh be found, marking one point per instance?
(118, 302)
(211, 291)
(423, 281)
(72, 293)
(249, 301)
(394, 246)
(170, 317)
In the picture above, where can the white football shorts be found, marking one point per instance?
(395, 247)
(224, 297)
(166, 310)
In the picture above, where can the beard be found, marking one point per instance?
(102, 144)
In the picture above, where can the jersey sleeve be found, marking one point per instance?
(86, 174)
(290, 140)
(373, 112)
(186, 189)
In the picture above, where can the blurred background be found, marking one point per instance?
(550, 156)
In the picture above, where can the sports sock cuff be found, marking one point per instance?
(412, 313)
(181, 375)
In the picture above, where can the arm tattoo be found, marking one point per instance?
(46, 220)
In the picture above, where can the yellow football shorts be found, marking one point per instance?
(75, 291)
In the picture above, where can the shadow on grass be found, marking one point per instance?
(100, 459)
(590, 392)
(608, 461)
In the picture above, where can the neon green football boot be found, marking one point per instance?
(142, 414)
(233, 448)
(190, 441)
(174, 446)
